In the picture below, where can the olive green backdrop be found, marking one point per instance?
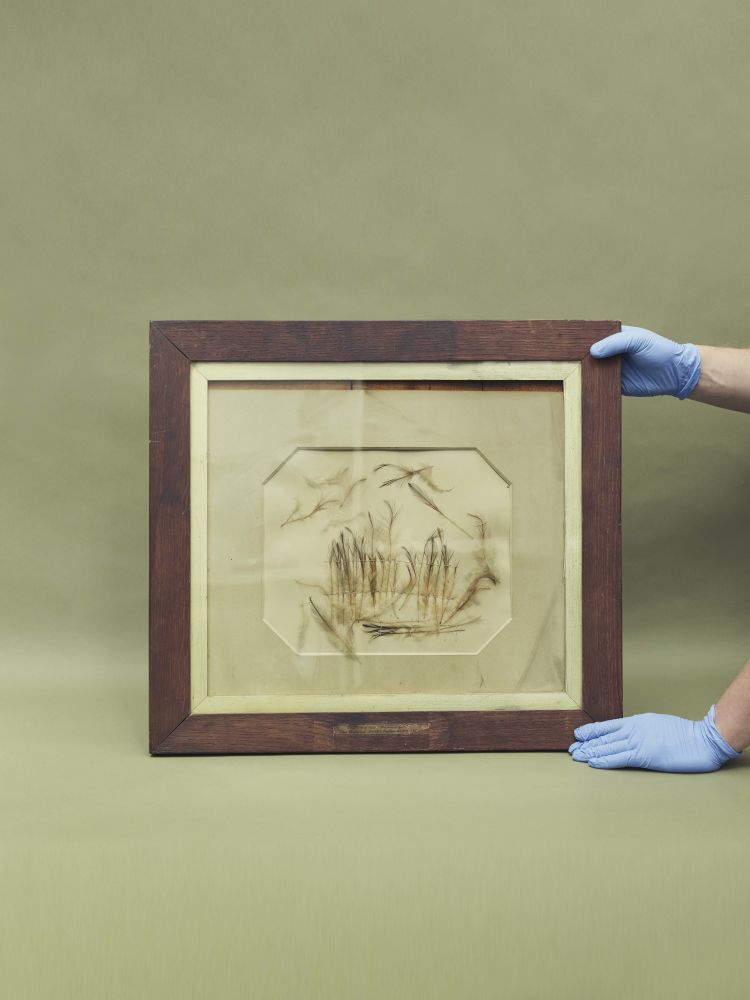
(394, 160)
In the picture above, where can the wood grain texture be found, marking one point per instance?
(479, 340)
(169, 539)
(602, 601)
(379, 732)
(175, 345)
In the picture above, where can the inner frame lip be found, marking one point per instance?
(549, 376)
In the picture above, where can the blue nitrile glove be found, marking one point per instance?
(656, 742)
(652, 365)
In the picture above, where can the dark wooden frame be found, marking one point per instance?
(174, 345)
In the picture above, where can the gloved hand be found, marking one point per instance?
(656, 742)
(652, 365)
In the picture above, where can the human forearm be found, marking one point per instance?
(725, 378)
(653, 365)
(733, 711)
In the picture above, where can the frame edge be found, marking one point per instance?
(169, 538)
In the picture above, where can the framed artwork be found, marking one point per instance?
(382, 536)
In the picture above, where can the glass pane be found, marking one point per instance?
(385, 538)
